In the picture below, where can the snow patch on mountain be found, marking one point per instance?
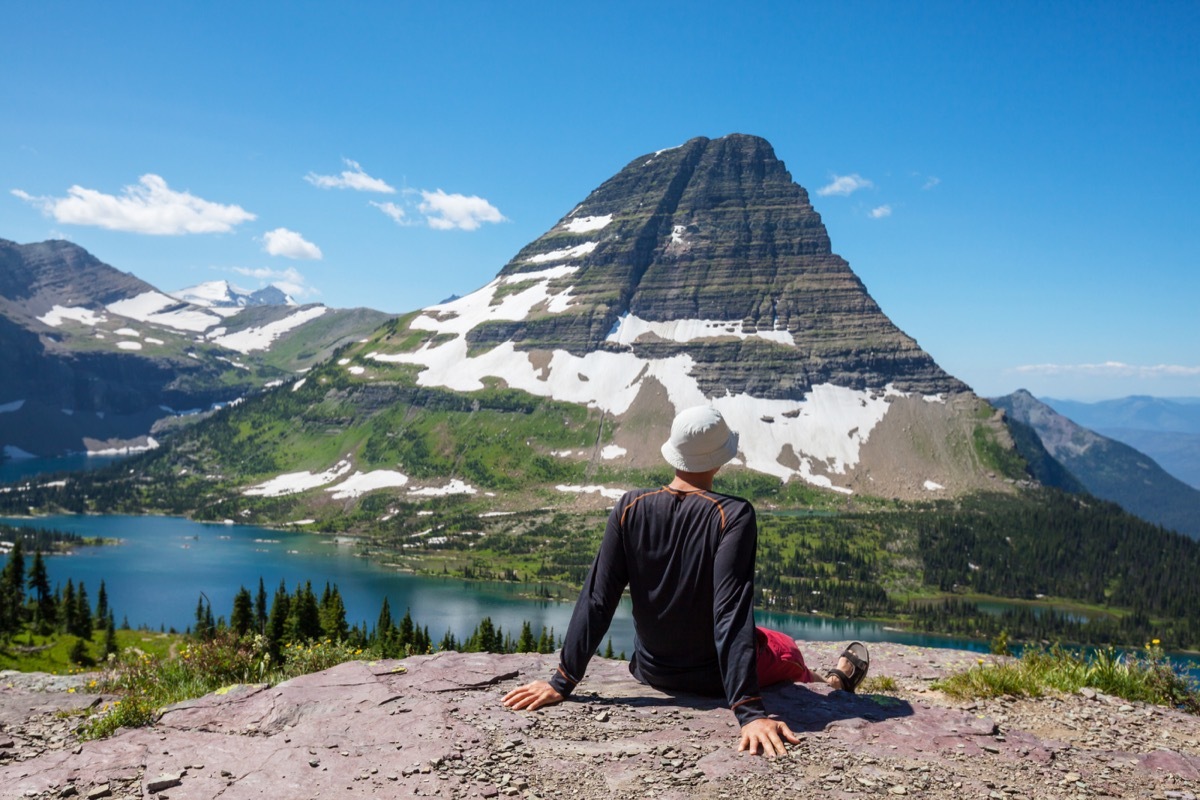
(251, 339)
(160, 309)
(362, 482)
(630, 327)
(296, 482)
(59, 314)
(565, 253)
(588, 224)
(15, 405)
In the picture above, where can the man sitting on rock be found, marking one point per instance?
(687, 555)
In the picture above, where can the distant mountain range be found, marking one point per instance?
(1108, 469)
(1167, 429)
(93, 358)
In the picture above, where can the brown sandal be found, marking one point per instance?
(856, 653)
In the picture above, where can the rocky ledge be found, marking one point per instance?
(433, 726)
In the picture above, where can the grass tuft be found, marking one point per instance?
(1146, 676)
(148, 683)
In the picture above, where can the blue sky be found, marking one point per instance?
(1023, 175)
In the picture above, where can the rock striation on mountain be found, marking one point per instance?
(716, 233)
(702, 274)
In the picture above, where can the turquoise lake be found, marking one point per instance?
(155, 577)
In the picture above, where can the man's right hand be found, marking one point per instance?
(531, 696)
(768, 734)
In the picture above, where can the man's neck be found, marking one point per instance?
(693, 481)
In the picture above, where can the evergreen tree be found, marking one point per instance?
(333, 615)
(608, 651)
(44, 611)
(79, 653)
(304, 616)
(404, 636)
(110, 634)
(241, 619)
(12, 591)
(526, 643)
(448, 642)
(67, 605)
(277, 621)
(101, 605)
(203, 628)
(260, 607)
(83, 613)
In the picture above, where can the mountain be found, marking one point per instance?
(699, 274)
(93, 358)
(222, 295)
(703, 274)
(1109, 469)
(1166, 429)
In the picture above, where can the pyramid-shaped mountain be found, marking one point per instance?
(702, 274)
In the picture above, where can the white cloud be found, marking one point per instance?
(931, 182)
(289, 280)
(149, 207)
(1115, 369)
(844, 185)
(448, 211)
(394, 211)
(353, 178)
(881, 211)
(289, 244)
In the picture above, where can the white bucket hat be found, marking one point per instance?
(700, 440)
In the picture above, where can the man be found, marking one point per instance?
(687, 555)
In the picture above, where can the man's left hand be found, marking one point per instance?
(767, 734)
(531, 696)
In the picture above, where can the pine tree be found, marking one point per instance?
(110, 635)
(101, 605)
(68, 606)
(241, 619)
(333, 615)
(304, 617)
(44, 610)
(260, 608)
(608, 651)
(448, 642)
(277, 622)
(526, 643)
(203, 628)
(404, 636)
(83, 613)
(12, 591)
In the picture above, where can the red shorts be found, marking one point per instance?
(779, 659)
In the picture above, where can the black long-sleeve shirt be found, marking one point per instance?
(688, 560)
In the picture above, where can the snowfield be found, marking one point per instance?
(362, 482)
(253, 339)
(296, 482)
(587, 224)
(58, 314)
(815, 439)
(159, 309)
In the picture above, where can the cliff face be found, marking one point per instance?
(716, 230)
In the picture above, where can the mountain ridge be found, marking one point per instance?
(1109, 469)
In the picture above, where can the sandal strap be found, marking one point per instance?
(848, 684)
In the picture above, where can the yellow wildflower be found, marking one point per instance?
(1155, 642)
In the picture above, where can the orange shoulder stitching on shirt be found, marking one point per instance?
(717, 503)
(625, 510)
